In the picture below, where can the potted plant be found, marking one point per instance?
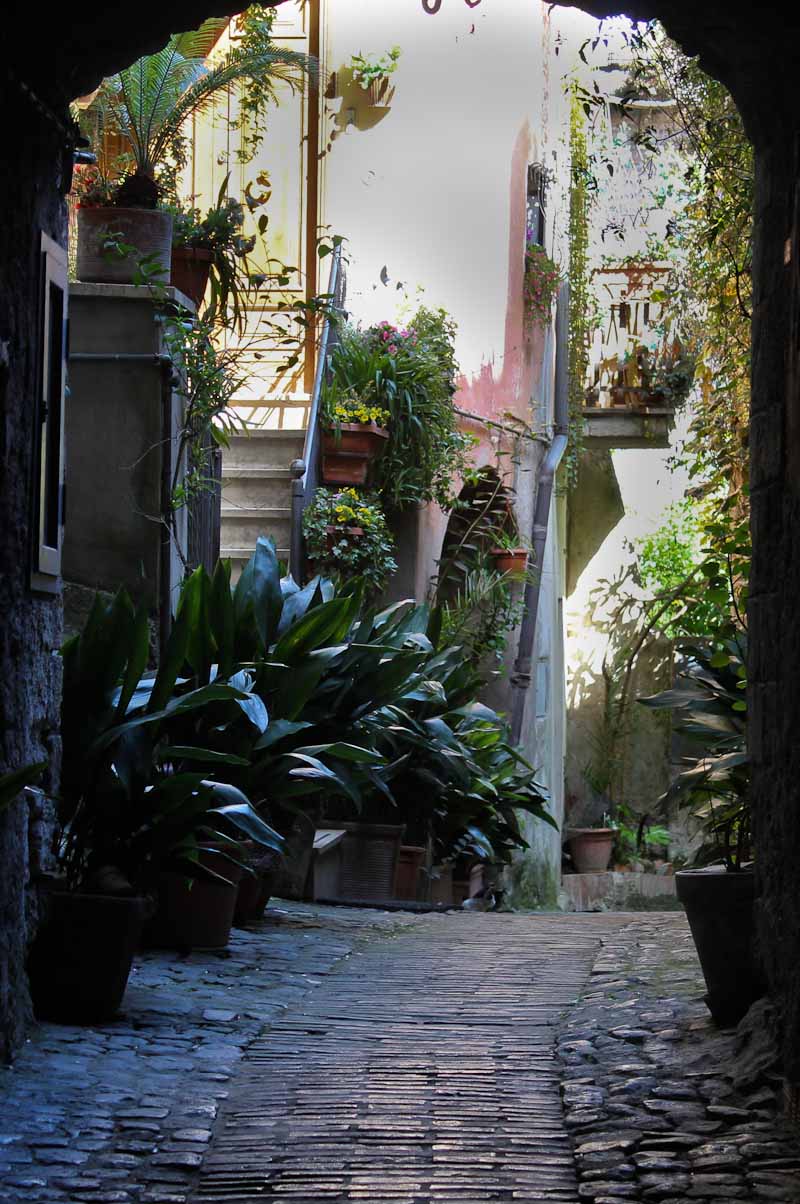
(353, 436)
(591, 848)
(507, 553)
(719, 890)
(372, 73)
(146, 107)
(346, 536)
(140, 812)
(211, 247)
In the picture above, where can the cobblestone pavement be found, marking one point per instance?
(343, 1055)
(660, 1104)
(424, 1070)
(123, 1112)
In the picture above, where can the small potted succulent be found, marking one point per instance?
(354, 435)
(347, 536)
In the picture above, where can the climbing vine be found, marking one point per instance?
(580, 303)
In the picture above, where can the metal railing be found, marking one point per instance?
(306, 471)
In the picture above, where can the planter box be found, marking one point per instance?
(369, 860)
(348, 451)
(148, 231)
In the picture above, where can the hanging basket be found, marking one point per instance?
(348, 451)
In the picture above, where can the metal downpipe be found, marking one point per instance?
(521, 676)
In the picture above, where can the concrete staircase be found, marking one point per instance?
(256, 492)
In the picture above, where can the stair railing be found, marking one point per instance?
(306, 471)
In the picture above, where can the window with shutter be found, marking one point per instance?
(48, 523)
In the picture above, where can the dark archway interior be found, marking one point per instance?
(755, 51)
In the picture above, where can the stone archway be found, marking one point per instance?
(755, 51)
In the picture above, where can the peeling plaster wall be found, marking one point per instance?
(30, 625)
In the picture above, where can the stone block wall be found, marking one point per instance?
(30, 624)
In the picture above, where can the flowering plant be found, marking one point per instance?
(391, 340)
(347, 536)
(351, 408)
(90, 187)
(542, 278)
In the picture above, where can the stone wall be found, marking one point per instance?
(30, 624)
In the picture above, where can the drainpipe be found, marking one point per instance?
(521, 677)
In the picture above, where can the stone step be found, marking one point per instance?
(239, 557)
(242, 531)
(264, 449)
(250, 492)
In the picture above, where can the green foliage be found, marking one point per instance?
(709, 707)
(410, 374)
(580, 302)
(368, 70)
(542, 278)
(667, 561)
(346, 536)
(149, 103)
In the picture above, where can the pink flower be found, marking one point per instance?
(392, 349)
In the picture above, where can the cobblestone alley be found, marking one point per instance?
(344, 1055)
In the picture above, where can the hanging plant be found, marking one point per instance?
(542, 278)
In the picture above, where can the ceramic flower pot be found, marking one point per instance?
(509, 560)
(190, 270)
(147, 231)
(348, 451)
(82, 956)
(591, 849)
(720, 909)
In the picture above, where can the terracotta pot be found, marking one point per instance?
(81, 959)
(195, 913)
(509, 560)
(190, 269)
(408, 867)
(256, 885)
(348, 451)
(720, 909)
(591, 849)
(334, 533)
(149, 231)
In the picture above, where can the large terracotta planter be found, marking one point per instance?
(509, 560)
(348, 451)
(148, 231)
(591, 849)
(81, 959)
(195, 913)
(720, 909)
(190, 270)
(408, 866)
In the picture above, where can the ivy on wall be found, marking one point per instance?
(581, 306)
